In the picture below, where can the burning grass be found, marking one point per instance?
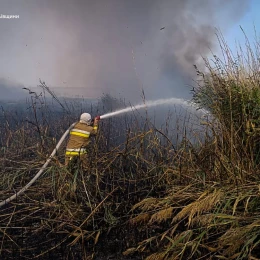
(143, 195)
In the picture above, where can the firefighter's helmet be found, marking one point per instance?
(85, 118)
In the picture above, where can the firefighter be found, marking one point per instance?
(77, 146)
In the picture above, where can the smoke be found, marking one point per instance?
(117, 46)
(10, 91)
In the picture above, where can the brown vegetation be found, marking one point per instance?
(145, 197)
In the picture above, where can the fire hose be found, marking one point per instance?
(6, 201)
(39, 173)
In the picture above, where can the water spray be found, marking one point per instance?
(177, 101)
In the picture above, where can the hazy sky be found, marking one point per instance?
(110, 46)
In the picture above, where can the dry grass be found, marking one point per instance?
(142, 195)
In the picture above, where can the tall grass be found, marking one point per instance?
(144, 194)
(230, 90)
(76, 209)
(219, 219)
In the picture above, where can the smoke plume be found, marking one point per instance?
(113, 46)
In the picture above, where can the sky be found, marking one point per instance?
(250, 23)
(118, 47)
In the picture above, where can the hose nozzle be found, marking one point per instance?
(97, 117)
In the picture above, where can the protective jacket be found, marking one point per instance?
(79, 140)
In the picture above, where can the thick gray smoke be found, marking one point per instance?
(112, 46)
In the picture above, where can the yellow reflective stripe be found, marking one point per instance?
(72, 153)
(76, 150)
(75, 153)
(79, 134)
(95, 127)
(80, 131)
